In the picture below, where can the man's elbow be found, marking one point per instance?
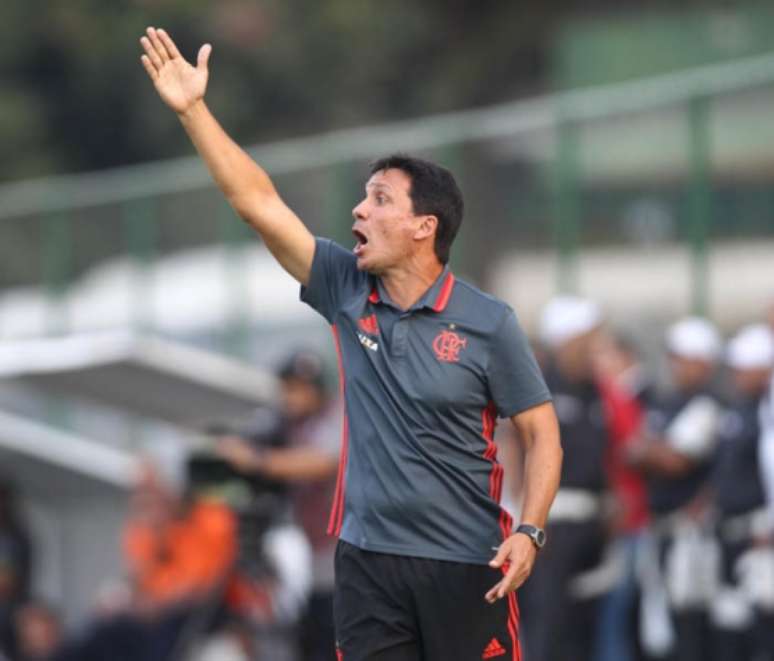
(248, 204)
(558, 454)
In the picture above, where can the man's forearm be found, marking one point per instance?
(538, 432)
(236, 174)
(251, 192)
(299, 464)
(542, 470)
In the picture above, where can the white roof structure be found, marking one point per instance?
(152, 377)
(50, 460)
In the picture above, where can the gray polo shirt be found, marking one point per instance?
(422, 388)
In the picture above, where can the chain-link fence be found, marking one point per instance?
(677, 161)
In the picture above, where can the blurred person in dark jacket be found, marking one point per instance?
(626, 391)
(307, 462)
(743, 610)
(15, 565)
(675, 454)
(559, 609)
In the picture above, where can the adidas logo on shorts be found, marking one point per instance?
(493, 649)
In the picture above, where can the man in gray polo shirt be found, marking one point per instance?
(428, 363)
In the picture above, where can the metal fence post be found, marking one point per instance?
(700, 195)
(141, 234)
(567, 204)
(56, 263)
(234, 237)
(343, 179)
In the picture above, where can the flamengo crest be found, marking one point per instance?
(447, 346)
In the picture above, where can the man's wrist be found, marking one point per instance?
(537, 535)
(191, 112)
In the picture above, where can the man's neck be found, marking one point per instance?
(406, 284)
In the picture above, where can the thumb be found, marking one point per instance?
(500, 557)
(203, 57)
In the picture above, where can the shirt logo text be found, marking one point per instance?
(367, 342)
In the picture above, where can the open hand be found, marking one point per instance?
(517, 554)
(179, 84)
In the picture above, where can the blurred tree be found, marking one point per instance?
(74, 96)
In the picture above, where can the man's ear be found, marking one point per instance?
(427, 227)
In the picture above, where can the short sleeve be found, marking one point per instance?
(334, 278)
(515, 380)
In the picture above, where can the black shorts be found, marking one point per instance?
(399, 608)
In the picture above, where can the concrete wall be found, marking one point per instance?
(649, 286)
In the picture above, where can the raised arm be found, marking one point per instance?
(245, 184)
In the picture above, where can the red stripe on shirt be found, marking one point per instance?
(490, 454)
(337, 509)
(506, 523)
(488, 421)
(444, 294)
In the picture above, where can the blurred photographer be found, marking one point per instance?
(305, 462)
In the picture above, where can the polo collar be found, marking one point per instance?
(436, 297)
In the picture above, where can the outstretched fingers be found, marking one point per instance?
(168, 43)
(151, 54)
(158, 46)
(152, 71)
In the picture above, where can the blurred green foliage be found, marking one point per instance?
(74, 96)
(617, 48)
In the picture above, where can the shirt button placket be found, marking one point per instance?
(400, 336)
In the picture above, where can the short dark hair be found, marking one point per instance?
(433, 192)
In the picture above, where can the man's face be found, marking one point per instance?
(386, 229)
(751, 382)
(690, 373)
(574, 357)
(300, 399)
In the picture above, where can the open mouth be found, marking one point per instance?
(362, 240)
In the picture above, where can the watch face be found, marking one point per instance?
(540, 537)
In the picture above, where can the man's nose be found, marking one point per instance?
(359, 212)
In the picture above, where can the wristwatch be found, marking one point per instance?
(537, 535)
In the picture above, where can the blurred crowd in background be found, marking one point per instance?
(661, 537)
(661, 531)
(231, 562)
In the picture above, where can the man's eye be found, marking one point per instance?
(380, 199)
